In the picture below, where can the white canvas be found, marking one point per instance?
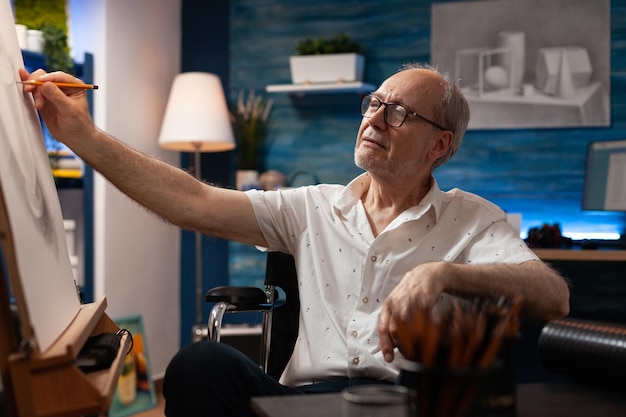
(33, 206)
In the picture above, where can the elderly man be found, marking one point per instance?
(367, 254)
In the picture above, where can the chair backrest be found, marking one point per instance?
(281, 272)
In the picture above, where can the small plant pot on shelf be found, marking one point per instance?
(328, 68)
(247, 179)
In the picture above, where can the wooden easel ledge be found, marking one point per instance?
(50, 384)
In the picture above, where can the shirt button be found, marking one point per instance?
(355, 333)
(355, 361)
(365, 300)
(373, 258)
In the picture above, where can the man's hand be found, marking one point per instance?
(418, 291)
(65, 111)
(545, 292)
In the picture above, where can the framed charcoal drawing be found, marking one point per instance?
(527, 63)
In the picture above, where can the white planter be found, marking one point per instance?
(35, 41)
(330, 68)
(247, 179)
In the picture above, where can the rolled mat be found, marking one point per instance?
(584, 350)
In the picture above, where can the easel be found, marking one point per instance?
(38, 384)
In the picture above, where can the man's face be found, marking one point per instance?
(408, 150)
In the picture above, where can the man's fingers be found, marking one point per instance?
(56, 96)
(405, 339)
(23, 74)
(57, 76)
(386, 344)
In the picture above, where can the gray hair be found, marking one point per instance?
(452, 112)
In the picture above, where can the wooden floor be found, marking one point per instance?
(157, 411)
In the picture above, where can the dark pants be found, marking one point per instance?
(207, 379)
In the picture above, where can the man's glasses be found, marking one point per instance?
(394, 114)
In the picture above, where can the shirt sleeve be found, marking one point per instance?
(277, 214)
(498, 243)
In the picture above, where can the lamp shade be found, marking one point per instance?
(196, 116)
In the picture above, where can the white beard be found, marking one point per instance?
(385, 167)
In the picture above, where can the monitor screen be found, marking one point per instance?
(605, 176)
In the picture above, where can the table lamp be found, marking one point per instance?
(197, 120)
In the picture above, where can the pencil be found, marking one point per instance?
(61, 85)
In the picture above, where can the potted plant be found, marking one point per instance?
(56, 49)
(250, 117)
(327, 60)
(49, 17)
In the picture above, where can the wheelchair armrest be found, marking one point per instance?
(233, 299)
(243, 298)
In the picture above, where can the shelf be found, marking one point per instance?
(35, 60)
(356, 87)
(63, 183)
(67, 173)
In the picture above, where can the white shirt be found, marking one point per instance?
(345, 273)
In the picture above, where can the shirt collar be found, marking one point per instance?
(352, 193)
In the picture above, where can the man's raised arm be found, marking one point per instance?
(166, 190)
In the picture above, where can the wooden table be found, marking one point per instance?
(534, 400)
(580, 255)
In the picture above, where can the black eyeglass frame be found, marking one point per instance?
(371, 96)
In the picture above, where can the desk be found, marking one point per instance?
(534, 400)
(580, 254)
(597, 281)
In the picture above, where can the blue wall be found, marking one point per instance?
(317, 132)
(533, 171)
(537, 172)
